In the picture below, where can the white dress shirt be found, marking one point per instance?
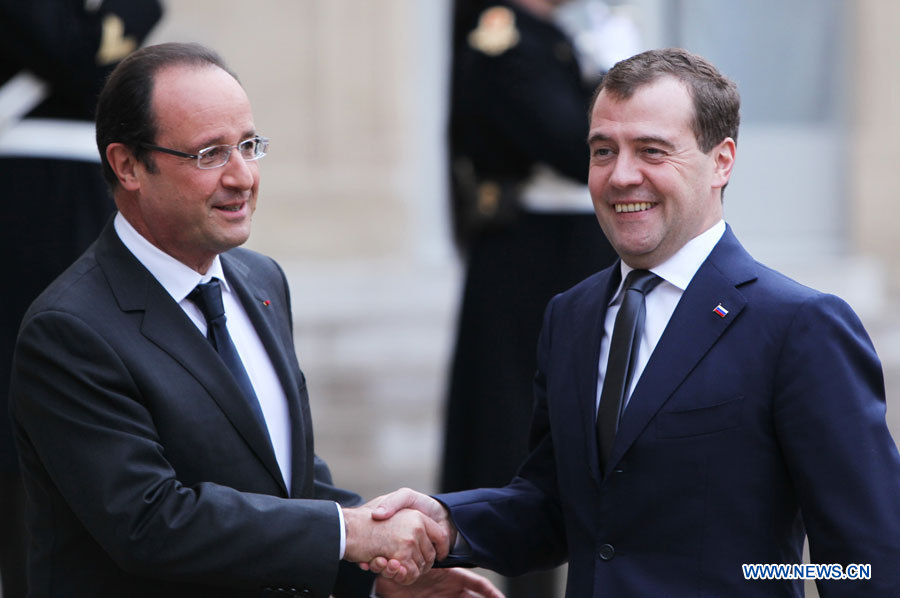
(676, 273)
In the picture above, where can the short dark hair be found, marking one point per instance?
(124, 110)
(717, 103)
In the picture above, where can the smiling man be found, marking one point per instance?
(161, 417)
(695, 411)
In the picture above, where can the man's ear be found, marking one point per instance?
(724, 155)
(124, 164)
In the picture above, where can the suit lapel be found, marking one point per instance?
(586, 354)
(163, 324)
(262, 311)
(166, 325)
(691, 332)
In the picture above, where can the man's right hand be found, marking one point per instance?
(408, 539)
(388, 506)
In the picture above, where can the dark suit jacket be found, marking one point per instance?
(145, 470)
(743, 432)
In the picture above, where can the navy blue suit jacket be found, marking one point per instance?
(147, 472)
(744, 433)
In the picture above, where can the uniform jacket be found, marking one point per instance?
(523, 105)
(743, 433)
(59, 42)
(147, 474)
(510, 111)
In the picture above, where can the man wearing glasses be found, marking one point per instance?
(165, 452)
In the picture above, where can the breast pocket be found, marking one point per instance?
(700, 420)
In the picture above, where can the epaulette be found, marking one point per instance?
(114, 44)
(496, 31)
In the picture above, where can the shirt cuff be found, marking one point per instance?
(343, 531)
(461, 547)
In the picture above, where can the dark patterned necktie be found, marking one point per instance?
(208, 297)
(623, 351)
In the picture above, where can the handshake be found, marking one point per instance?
(399, 536)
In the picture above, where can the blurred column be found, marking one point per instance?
(875, 192)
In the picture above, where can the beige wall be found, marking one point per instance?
(334, 84)
(875, 179)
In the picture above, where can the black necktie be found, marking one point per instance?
(208, 297)
(623, 350)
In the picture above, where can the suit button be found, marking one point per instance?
(607, 552)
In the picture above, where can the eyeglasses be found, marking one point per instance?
(218, 155)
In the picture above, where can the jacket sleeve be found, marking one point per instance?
(830, 421)
(518, 528)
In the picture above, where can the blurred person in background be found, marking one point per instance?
(54, 57)
(523, 73)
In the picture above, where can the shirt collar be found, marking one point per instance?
(679, 269)
(175, 277)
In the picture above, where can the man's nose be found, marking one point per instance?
(626, 171)
(238, 172)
